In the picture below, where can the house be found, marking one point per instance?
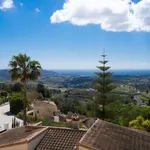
(46, 109)
(40, 138)
(22, 138)
(107, 136)
(101, 136)
(88, 122)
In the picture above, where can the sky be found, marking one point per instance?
(71, 34)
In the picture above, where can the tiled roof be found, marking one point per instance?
(19, 135)
(60, 139)
(108, 136)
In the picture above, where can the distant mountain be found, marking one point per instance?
(49, 73)
(56, 79)
(4, 75)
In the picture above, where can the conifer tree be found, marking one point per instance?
(103, 84)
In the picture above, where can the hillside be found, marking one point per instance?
(76, 81)
(56, 80)
(4, 75)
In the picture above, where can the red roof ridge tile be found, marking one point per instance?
(65, 128)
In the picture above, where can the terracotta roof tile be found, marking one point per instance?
(19, 135)
(108, 136)
(60, 139)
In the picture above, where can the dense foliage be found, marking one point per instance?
(16, 102)
(30, 119)
(17, 87)
(3, 93)
(46, 92)
(121, 113)
(41, 89)
(3, 97)
(140, 123)
(2, 100)
(47, 122)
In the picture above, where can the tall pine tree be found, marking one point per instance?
(103, 84)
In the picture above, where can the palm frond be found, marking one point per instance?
(15, 74)
(23, 68)
(13, 64)
(35, 70)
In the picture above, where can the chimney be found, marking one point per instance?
(75, 122)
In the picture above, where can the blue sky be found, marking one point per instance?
(71, 42)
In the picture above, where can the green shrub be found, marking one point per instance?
(3, 93)
(16, 102)
(17, 87)
(30, 119)
(2, 100)
(140, 123)
(47, 122)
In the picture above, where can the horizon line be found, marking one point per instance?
(85, 69)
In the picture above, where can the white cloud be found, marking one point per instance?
(142, 15)
(37, 10)
(6, 4)
(111, 15)
(21, 4)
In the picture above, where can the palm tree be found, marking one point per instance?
(23, 70)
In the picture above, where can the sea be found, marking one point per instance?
(92, 72)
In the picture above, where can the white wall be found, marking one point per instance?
(34, 142)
